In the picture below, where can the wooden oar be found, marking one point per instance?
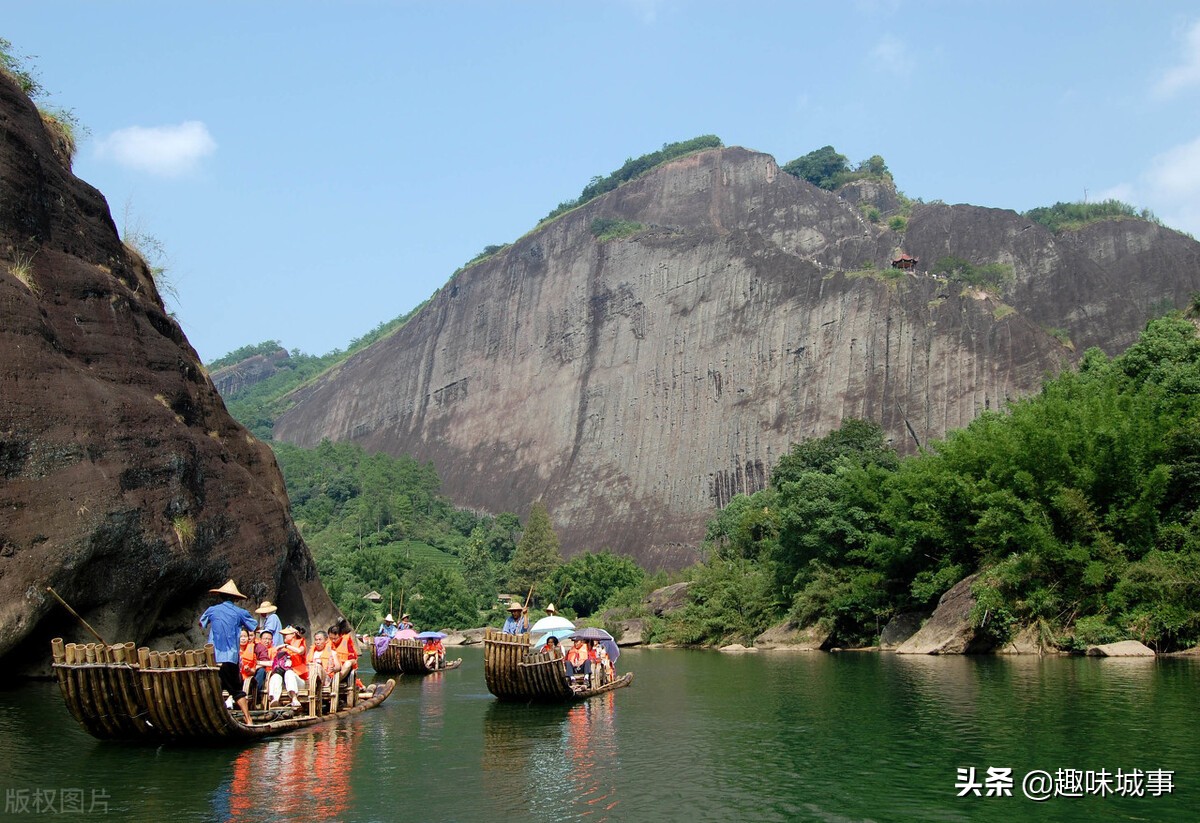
(75, 614)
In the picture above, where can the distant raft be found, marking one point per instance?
(406, 657)
(122, 693)
(513, 672)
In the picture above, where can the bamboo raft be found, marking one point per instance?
(513, 672)
(122, 693)
(406, 657)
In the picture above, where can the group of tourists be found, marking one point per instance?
(584, 659)
(587, 662)
(264, 656)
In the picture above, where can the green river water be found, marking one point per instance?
(698, 736)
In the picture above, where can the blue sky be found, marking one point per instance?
(314, 169)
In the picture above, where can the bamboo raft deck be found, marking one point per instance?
(122, 693)
(513, 672)
(406, 657)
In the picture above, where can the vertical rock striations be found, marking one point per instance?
(636, 384)
(124, 484)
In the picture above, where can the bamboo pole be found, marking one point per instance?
(75, 614)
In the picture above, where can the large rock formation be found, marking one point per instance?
(246, 373)
(636, 384)
(124, 484)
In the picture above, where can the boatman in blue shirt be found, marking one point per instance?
(388, 627)
(517, 621)
(225, 622)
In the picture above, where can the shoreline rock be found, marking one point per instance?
(1123, 648)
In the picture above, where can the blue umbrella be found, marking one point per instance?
(430, 636)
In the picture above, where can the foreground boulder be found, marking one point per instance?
(1125, 648)
(124, 483)
(949, 630)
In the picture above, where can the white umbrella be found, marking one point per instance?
(551, 622)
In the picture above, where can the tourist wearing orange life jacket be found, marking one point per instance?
(434, 653)
(578, 660)
(323, 661)
(343, 643)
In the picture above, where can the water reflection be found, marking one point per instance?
(433, 707)
(553, 762)
(302, 774)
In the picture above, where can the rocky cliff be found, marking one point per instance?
(246, 373)
(124, 484)
(636, 384)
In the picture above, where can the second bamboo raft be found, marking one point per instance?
(406, 657)
(513, 672)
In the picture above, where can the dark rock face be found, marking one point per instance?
(124, 484)
(635, 385)
(248, 372)
(900, 628)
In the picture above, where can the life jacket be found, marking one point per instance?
(248, 657)
(578, 655)
(327, 658)
(345, 648)
(300, 660)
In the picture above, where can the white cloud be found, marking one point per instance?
(891, 56)
(1170, 188)
(164, 150)
(1187, 73)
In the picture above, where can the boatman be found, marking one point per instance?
(225, 622)
(405, 622)
(388, 627)
(517, 621)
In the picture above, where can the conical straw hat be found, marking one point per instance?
(229, 588)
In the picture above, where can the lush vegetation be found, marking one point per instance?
(635, 167)
(1079, 508)
(827, 169)
(245, 353)
(610, 228)
(379, 523)
(1072, 216)
(990, 276)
